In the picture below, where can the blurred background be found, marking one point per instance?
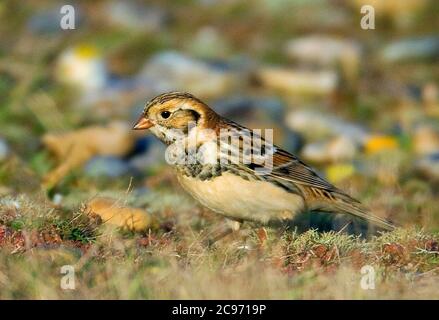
(361, 106)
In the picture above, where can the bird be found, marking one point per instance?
(244, 177)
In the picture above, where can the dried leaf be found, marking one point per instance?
(75, 148)
(127, 218)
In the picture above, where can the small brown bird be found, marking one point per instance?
(247, 189)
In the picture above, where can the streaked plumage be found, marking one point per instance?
(237, 190)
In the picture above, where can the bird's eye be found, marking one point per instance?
(165, 114)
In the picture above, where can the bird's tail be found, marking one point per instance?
(342, 203)
(359, 211)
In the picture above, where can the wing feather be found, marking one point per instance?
(289, 168)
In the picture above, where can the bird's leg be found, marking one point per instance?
(224, 230)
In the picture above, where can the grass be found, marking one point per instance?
(173, 262)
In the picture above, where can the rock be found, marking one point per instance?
(47, 21)
(426, 140)
(337, 149)
(341, 148)
(326, 51)
(426, 48)
(136, 16)
(111, 167)
(57, 199)
(83, 67)
(113, 213)
(169, 71)
(4, 149)
(315, 152)
(316, 125)
(380, 143)
(298, 81)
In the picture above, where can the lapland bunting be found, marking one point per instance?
(243, 176)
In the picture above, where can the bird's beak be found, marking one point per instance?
(143, 124)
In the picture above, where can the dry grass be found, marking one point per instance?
(172, 262)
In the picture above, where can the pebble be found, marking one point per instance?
(57, 199)
(47, 22)
(326, 51)
(294, 81)
(136, 16)
(170, 70)
(111, 167)
(83, 67)
(313, 124)
(426, 48)
(340, 148)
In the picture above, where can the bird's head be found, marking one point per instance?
(175, 112)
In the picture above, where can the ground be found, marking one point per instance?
(173, 261)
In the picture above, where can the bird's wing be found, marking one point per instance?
(287, 170)
(289, 167)
(278, 163)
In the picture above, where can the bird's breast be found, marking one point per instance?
(238, 198)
